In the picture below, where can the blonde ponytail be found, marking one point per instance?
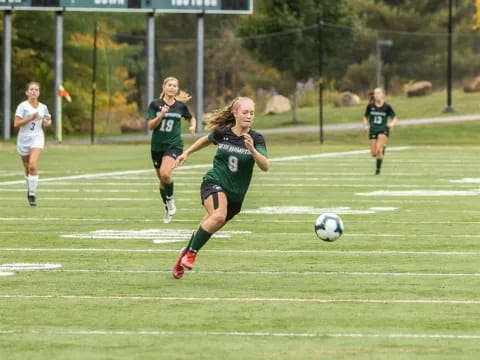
(182, 96)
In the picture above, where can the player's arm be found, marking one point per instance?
(18, 122)
(192, 125)
(260, 159)
(201, 143)
(154, 122)
(393, 122)
(47, 120)
(365, 123)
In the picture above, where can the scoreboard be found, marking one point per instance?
(177, 6)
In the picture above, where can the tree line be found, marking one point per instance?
(273, 49)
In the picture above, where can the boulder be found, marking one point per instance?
(278, 104)
(347, 98)
(419, 88)
(472, 85)
(133, 125)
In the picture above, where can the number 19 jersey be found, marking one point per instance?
(168, 134)
(233, 163)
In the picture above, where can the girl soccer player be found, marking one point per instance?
(30, 116)
(225, 185)
(164, 117)
(375, 121)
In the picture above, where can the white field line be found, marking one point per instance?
(183, 333)
(334, 155)
(249, 252)
(421, 193)
(201, 166)
(246, 299)
(75, 219)
(268, 221)
(271, 273)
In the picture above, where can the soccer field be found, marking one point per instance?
(87, 273)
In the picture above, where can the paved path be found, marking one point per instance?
(291, 129)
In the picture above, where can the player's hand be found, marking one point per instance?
(163, 110)
(47, 120)
(390, 125)
(247, 139)
(34, 116)
(365, 128)
(191, 129)
(179, 161)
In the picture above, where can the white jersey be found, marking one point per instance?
(34, 127)
(31, 134)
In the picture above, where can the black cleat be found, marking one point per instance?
(31, 200)
(377, 172)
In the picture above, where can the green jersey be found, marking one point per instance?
(168, 134)
(233, 162)
(378, 116)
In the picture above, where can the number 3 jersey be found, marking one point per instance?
(34, 127)
(378, 116)
(168, 134)
(233, 163)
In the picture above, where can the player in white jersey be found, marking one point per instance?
(30, 117)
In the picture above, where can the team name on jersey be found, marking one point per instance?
(234, 149)
(173, 115)
(379, 113)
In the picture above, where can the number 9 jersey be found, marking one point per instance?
(168, 134)
(31, 134)
(233, 163)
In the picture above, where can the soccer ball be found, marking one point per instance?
(329, 227)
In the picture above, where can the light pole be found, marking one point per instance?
(449, 108)
(381, 43)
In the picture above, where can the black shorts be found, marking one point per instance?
(374, 135)
(158, 155)
(207, 188)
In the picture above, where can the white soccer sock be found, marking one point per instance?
(32, 184)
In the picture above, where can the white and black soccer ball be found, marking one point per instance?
(329, 227)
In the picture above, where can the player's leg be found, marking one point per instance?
(178, 269)
(32, 177)
(166, 182)
(216, 205)
(25, 161)
(373, 145)
(381, 143)
(157, 159)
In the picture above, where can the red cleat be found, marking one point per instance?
(188, 259)
(178, 269)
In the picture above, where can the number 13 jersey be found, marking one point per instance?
(378, 116)
(233, 163)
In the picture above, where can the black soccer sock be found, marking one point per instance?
(189, 243)
(379, 163)
(169, 190)
(199, 239)
(163, 195)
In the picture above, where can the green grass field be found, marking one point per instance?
(406, 108)
(402, 283)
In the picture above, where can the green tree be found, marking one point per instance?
(285, 33)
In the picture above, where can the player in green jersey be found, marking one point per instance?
(376, 122)
(164, 118)
(224, 186)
